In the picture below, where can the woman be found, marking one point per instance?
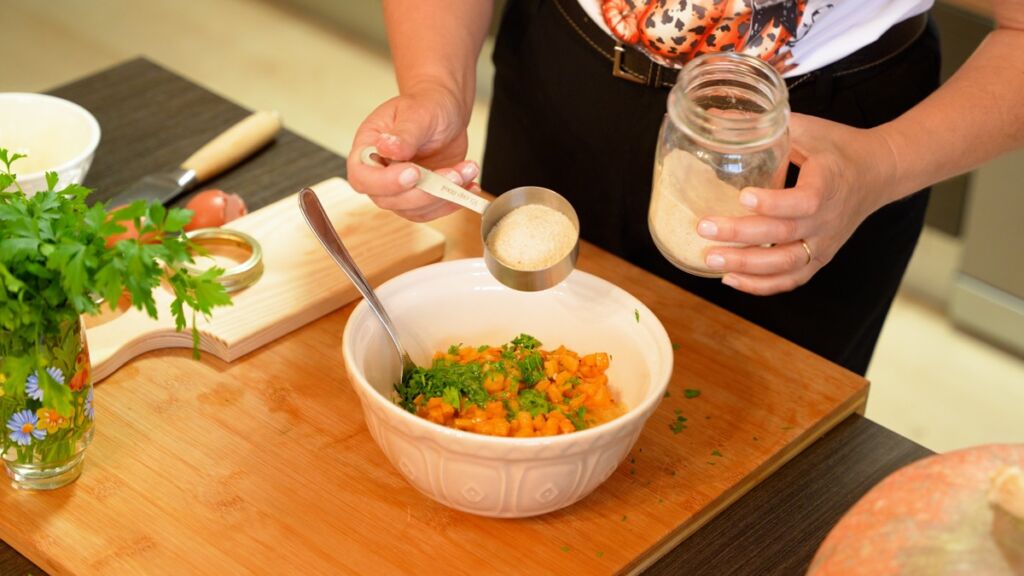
(580, 92)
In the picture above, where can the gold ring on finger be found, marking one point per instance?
(808, 250)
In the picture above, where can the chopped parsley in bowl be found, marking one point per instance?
(516, 389)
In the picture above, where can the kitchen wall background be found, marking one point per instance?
(944, 379)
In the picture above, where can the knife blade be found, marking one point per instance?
(224, 151)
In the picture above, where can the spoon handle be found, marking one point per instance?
(431, 183)
(321, 225)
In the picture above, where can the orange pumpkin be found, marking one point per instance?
(958, 513)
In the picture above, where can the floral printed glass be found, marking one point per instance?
(46, 404)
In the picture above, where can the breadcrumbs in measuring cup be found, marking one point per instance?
(532, 237)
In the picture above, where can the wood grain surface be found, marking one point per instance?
(260, 454)
(300, 282)
(159, 474)
(774, 530)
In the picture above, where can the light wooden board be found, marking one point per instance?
(265, 465)
(300, 282)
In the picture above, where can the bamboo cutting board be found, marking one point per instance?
(300, 283)
(265, 466)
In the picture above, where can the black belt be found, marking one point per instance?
(633, 65)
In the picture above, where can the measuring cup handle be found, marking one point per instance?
(431, 183)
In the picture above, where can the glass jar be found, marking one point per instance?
(46, 405)
(726, 129)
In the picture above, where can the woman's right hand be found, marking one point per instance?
(426, 126)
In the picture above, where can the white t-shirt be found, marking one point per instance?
(797, 36)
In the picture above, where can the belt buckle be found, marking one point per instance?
(619, 72)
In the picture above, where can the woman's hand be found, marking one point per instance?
(844, 175)
(426, 125)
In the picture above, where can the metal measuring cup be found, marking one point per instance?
(492, 212)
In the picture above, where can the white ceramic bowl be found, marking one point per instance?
(55, 134)
(460, 302)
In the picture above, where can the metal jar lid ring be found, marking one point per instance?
(244, 274)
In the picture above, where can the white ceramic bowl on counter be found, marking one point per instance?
(460, 302)
(55, 134)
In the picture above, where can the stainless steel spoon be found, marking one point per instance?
(321, 226)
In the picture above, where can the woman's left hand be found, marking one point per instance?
(845, 174)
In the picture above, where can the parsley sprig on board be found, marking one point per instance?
(55, 262)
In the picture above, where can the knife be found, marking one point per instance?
(227, 149)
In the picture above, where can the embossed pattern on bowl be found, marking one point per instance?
(458, 301)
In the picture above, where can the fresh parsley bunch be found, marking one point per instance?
(55, 261)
